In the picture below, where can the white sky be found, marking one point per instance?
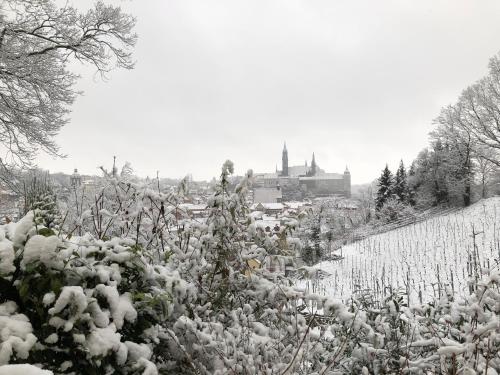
(357, 82)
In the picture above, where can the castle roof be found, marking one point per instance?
(298, 170)
(268, 206)
(324, 176)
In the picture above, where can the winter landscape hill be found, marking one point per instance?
(424, 259)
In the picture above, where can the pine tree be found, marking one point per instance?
(413, 184)
(401, 184)
(385, 188)
(40, 198)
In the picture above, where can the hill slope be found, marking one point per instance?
(423, 258)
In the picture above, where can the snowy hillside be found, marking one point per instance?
(424, 258)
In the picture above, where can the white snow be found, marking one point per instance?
(52, 338)
(136, 351)
(73, 297)
(433, 255)
(23, 228)
(49, 298)
(70, 295)
(120, 306)
(43, 249)
(7, 257)
(103, 340)
(15, 333)
(23, 370)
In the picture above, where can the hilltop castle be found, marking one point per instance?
(310, 179)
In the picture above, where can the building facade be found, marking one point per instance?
(306, 180)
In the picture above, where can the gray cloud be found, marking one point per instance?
(358, 82)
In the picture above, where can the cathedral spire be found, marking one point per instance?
(284, 161)
(313, 166)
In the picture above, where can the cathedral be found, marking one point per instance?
(309, 180)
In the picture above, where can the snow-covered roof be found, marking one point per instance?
(193, 207)
(256, 214)
(324, 176)
(298, 170)
(267, 223)
(349, 205)
(294, 205)
(273, 206)
(268, 206)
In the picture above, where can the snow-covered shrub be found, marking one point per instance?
(393, 210)
(150, 290)
(443, 337)
(86, 303)
(17, 338)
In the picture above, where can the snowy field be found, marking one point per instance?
(425, 259)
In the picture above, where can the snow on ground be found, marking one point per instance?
(424, 258)
(22, 370)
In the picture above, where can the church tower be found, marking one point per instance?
(313, 166)
(347, 182)
(284, 161)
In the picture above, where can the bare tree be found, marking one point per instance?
(458, 145)
(38, 41)
(486, 171)
(481, 114)
(366, 203)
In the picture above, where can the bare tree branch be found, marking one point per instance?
(37, 42)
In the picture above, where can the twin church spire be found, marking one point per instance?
(312, 171)
(284, 164)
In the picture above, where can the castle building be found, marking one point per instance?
(307, 180)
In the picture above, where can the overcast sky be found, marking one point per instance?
(357, 82)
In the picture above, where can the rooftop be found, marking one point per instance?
(324, 176)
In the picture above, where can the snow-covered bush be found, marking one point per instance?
(393, 210)
(83, 304)
(444, 337)
(167, 294)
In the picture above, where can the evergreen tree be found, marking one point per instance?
(439, 168)
(40, 198)
(412, 184)
(385, 188)
(401, 184)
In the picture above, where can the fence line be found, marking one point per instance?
(362, 233)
